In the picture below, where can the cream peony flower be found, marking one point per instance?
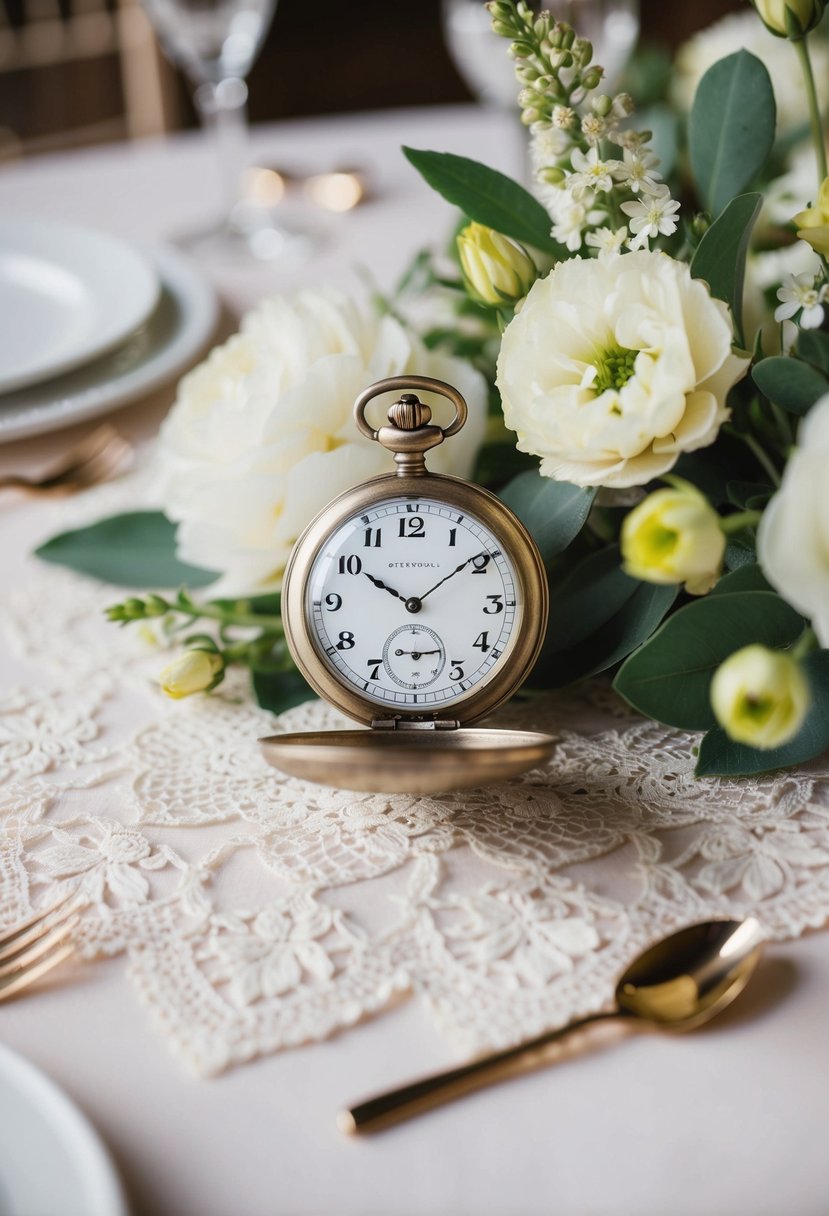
(793, 536)
(742, 31)
(614, 366)
(261, 436)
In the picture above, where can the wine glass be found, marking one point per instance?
(215, 42)
(480, 56)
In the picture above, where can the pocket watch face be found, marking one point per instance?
(413, 602)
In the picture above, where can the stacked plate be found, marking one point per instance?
(89, 323)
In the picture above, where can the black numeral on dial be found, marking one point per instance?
(480, 563)
(373, 536)
(375, 665)
(456, 672)
(346, 641)
(349, 565)
(482, 642)
(496, 605)
(412, 527)
(333, 602)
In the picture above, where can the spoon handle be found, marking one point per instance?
(419, 1096)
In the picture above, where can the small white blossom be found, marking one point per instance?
(608, 242)
(572, 216)
(590, 173)
(799, 291)
(652, 216)
(563, 117)
(547, 145)
(638, 171)
(633, 140)
(593, 128)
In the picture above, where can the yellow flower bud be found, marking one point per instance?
(788, 18)
(813, 223)
(760, 696)
(674, 536)
(497, 269)
(195, 671)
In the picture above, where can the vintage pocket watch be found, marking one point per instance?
(415, 603)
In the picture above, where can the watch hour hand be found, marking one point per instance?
(383, 587)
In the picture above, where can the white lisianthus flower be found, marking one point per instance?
(793, 536)
(614, 366)
(760, 696)
(261, 436)
(742, 31)
(674, 536)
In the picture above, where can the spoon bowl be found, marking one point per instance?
(677, 984)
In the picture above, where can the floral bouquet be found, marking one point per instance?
(646, 329)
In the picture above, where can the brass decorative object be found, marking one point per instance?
(679, 984)
(416, 603)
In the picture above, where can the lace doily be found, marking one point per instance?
(256, 912)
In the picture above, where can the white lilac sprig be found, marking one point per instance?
(576, 137)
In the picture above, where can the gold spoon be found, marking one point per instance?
(679, 983)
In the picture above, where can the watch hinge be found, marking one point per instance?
(398, 723)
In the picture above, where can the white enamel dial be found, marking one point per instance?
(413, 603)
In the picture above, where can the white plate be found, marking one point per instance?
(51, 1160)
(67, 294)
(175, 334)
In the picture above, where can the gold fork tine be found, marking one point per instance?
(32, 950)
(94, 459)
(23, 976)
(29, 930)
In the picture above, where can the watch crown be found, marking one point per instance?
(409, 413)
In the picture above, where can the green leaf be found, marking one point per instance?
(553, 511)
(813, 347)
(721, 757)
(739, 554)
(749, 495)
(745, 578)
(488, 197)
(278, 691)
(792, 385)
(133, 550)
(598, 616)
(259, 605)
(731, 128)
(720, 258)
(670, 676)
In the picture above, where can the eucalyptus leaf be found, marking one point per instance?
(739, 552)
(745, 578)
(813, 347)
(789, 383)
(669, 678)
(731, 128)
(720, 756)
(720, 258)
(488, 197)
(278, 691)
(598, 615)
(553, 511)
(133, 550)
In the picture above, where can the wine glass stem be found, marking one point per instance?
(222, 108)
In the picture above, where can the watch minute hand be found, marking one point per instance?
(457, 570)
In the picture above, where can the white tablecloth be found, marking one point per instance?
(731, 1120)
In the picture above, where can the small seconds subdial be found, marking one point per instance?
(413, 602)
(414, 656)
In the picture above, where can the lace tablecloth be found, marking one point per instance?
(256, 912)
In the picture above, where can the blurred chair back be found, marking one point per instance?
(75, 72)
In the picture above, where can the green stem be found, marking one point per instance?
(762, 457)
(802, 48)
(784, 426)
(805, 644)
(243, 619)
(740, 520)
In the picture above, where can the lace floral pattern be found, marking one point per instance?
(257, 912)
